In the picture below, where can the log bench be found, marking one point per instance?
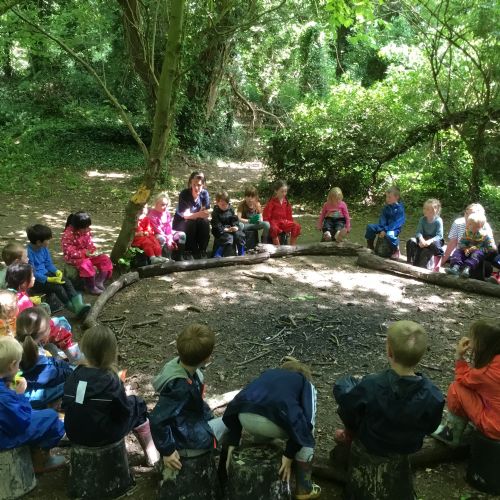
(16, 473)
(99, 472)
(483, 469)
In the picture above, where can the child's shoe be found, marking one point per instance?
(91, 287)
(218, 252)
(451, 431)
(158, 260)
(465, 272)
(327, 236)
(101, 278)
(306, 489)
(494, 278)
(43, 461)
(453, 270)
(241, 250)
(396, 255)
(143, 435)
(78, 306)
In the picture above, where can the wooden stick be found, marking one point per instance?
(263, 277)
(254, 358)
(145, 342)
(145, 323)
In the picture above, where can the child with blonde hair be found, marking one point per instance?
(45, 375)
(428, 241)
(79, 250)
(279, 404)
(172, 242)
(11, 253)
(97, 409)
(334, 219)
(21, 425)
(8, 313)
(473, 246)
(473, 395)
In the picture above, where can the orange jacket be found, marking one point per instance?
(486, 382)
(274, 211)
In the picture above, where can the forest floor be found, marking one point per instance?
(325, 311)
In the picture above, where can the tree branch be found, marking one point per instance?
(99, 80)
(5, 5)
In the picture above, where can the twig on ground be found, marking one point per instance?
(112, 320)
(193, 308)
(145, 323)
(292, 320)
(254, 358)
(334, 337)
(145, 342)
(430, 367)
(263, 277)
(122, 329)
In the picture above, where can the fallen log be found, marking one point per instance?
(325, 248)
(372, 261)
(192, 265)
(222, 400)
(121, 282)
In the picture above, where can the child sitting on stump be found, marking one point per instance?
(474, 395)
(281, 403)
(389, 413)
(49, 279)
(19, 424)
(182, 424)
(226, 228)
(98, 410)
(390, 222)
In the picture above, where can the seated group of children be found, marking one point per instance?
(385, 414)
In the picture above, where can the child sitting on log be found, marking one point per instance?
(182, 424)
(281, 403)
(20, 278)
(389, 413)
(12, 252)
(44, 374)
(250, 213)
(474, 395)
(79, 250)
(226, 228)
(145, 239)
(278, 212)
(472, 248)
(173, 242)
(49, 279)
(20, 425)
(334, 220)
(390, 223)
(98, 410)
(8, 313)
(428, 241)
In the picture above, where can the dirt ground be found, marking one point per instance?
(325, 311)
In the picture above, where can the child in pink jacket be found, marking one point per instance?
(334, 218)
(79, 251)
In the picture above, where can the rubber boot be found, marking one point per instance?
(293, 240)
(276, 241)
(80, 308)
(101, 278)
(218, 252)
(370, 244)
(91, 287)
(306, 489)
(451, 431)
(74, 354)
(43, 461)
(143, 435)
(241, 250)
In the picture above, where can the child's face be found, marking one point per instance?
(196, 187)
(42, 244)
(474, 227)
(223, 205)
(250, 201)
(281, 192)
(44, 337)
(31, 282)
(161, 205)
(83, 230)
(24, 257)
(429, 212)
(391, 198)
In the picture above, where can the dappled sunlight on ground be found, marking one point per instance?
(108, 175)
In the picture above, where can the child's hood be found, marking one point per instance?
(170, 371)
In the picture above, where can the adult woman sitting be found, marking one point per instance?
(192, 213)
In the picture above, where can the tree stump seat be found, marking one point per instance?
(371, 477)
(253, 474)
(99, 472)
(16, 473)
(483, 466)
(72, 273)
(197, 480)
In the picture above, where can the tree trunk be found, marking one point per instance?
(345, 248)
(17, 473)
(162, 127)
(371, 261)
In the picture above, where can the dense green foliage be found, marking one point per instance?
(328, 93)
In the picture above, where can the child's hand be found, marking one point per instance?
(36, 299)
(286, 468)
(21, 385)
(59, 274)
(56, 280)
(173, 461)
(462, 347)
(382, 234)
(233, 229)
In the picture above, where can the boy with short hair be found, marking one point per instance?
(391, 411)
(182, 424)
(390, 222)
(250, 214)
(19, 424)
(226, 228)
(48, 279)
(11, 252)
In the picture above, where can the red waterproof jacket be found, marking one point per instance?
(274, 211)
